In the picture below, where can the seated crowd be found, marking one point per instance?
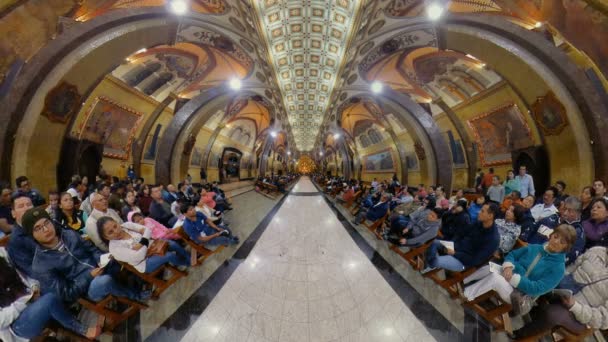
(76, 246)
(552, 252)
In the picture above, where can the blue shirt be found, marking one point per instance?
(21, 250)
(196, 228)
(526, 185)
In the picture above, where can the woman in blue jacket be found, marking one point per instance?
(534, 270)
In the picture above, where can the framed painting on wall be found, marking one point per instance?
(499, 132)
(550, 114)
(197, 157)
(412, 162)
(379, 162)
(111, 124)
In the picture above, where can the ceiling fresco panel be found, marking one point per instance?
(307, 41)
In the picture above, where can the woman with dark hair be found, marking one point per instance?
(68, 215)
(596, 227)
(145, 200)
(587, 196)
(510, 227)
(130, 205)
(24, 313)
(131, 246)
(511, 183)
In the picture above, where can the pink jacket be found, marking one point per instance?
(158, 230)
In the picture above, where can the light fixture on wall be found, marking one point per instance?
(376, 87)
(141, 51)
(538, 24)
(337, 136)
(235, 83)
(320, 153)
(288, 153)
(179, 7)
(434, 11)
(273, 134)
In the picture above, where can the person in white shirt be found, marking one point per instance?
(375, 183)
(547, 208)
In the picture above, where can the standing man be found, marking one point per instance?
(526, 183)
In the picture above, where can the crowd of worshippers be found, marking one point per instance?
(72, 244)
(562, 265)
(280, 181)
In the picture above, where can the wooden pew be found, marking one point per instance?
(493, 309)
(107, 308)
(4, 240)
(373, 226)
(156, 278)
(199, 252)
(412, 255)
(560, 333)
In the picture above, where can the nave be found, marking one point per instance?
(306, 280)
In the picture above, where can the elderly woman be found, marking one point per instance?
(131, 246)
(534, 270)
(587, 308)
(597, 226)
(24, 313)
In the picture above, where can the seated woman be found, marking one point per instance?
(455, 219)
(587, 308)
(597, 226)
(131, 246)
(67, 214)
(144, 199)
(215, 215)
(130, 205)
(158, 230)
(534, 270)
(510, 228)
(419, 230)
(67, 265)
(208, 198)
(459, 196)
(24, 313)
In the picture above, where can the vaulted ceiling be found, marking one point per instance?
(306, 45)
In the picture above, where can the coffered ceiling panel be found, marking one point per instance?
(307, 40)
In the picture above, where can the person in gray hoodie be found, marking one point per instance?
(587, 308)
(422, 227)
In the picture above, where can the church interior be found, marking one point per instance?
(304, 170)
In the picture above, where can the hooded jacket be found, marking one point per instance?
(66, 272)
(544, 277)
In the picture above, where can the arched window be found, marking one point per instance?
(143, 74)
(236, 134)
(374, 136)
(157, 83)
(245, 139)
(364, 140)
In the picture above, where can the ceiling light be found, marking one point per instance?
(235, 83)
(538, 24)
(434, 11)
(337, 135)
(376, 87)
(141, 50)
(273, 134)
(320, 153)
(179, 7)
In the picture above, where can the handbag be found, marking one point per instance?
(158, 247)
(522, 303)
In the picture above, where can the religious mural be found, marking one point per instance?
(379, 162)
(112, 125)
(499, 132)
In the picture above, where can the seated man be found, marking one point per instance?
(455, 219)
(69, 266)
(25, 187)
(100, 209)
(419, 230)
(569, 213)
(203, 231)
(547, 208)
(472, 246)
(160, 210)
(21, 246)
(376, 212)
(102, 189)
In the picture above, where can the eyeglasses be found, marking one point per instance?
(46, 224)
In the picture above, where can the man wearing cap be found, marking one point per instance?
(67, 265)
(21, 247)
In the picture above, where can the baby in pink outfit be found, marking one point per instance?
(158, 230)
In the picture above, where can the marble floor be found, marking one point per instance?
(306, 280)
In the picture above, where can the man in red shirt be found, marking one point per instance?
(486, 182)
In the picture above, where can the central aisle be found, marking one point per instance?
(306, 280)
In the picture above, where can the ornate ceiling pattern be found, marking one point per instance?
(307, 41)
